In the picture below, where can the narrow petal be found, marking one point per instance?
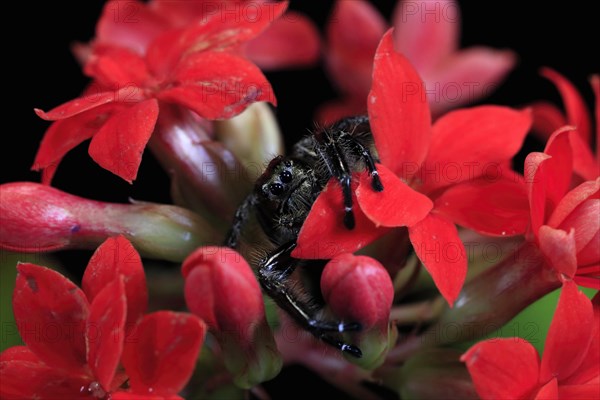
(398, 111)
(51, 312)
(467, 76)
(129, 24)
(291, 41)
(503, 368)
(466, 143)
(590, 366)
(30, 380)
(117, 257)
(78, 105)
(324, 235)
(65, 134)
(119, 144)
(595, 82)
(587, 190)
(162, 353)
(584, 163)
(490, 207)
(559, 167)
(219, 31)
(426, 32)
(569, 336)
(586, 224)
(218, 85)
(577, 113)
(397, 205)
(349, 56)
(549, 391)
(105, 332)
(117, 67)
(438, 246)
(546, 119)
(559, 248)
(535, 178)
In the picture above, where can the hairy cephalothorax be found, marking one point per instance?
(281, 200)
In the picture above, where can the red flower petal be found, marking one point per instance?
(590, 366)
(349, 56)
(426, 32)
(595, 82)
(467, 76)
(127, 395)
(569, 336)
(503, 368)
(584, 163)
(79, 105)
(577, 113)
(397, 205)
(466, 143)
(119, 144)
(586, 224)
(291, 41)
(218, 85)
(117, 257)
(583, 192)
(221, 31)
(559, 167)
(535, 177)
(546, 119)
(470, 204)
(19, 353)
(559, 248)
(105, 332)
(51, 312)
(221, 289)
(118, 67)
(64, 135)
(324, 235)
(436, 242)
(398, 111)
(579, 392)
(162, 353)
(30, 380)
(549, 391)
(358, 288)
(129, 24)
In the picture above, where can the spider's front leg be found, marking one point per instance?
(274, 275)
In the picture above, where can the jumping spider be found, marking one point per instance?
(282, 198)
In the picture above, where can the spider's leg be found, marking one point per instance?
(369, 161)
(274, 275)
(239, 220)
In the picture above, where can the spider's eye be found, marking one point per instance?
(276, 188)
(285, 176)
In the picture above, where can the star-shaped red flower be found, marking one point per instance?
(194, 67)
(455, 171)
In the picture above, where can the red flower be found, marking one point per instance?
(427, 33)
(548, 118)
(192, 67)
(74, 338)
(564, 223)
(220, 288)
(434, 176)
(570, 365)
(289, 41)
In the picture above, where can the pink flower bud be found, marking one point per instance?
(220, 288)
(359, 289)
(35, 217)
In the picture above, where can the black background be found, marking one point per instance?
(39, 71)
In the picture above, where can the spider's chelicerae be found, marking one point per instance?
(281, 201)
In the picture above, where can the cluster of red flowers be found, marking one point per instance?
(175, 80)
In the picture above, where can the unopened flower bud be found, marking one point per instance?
(206, 176)
(220, 288)
(253, 136)
(35, 218)
(359, 289)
